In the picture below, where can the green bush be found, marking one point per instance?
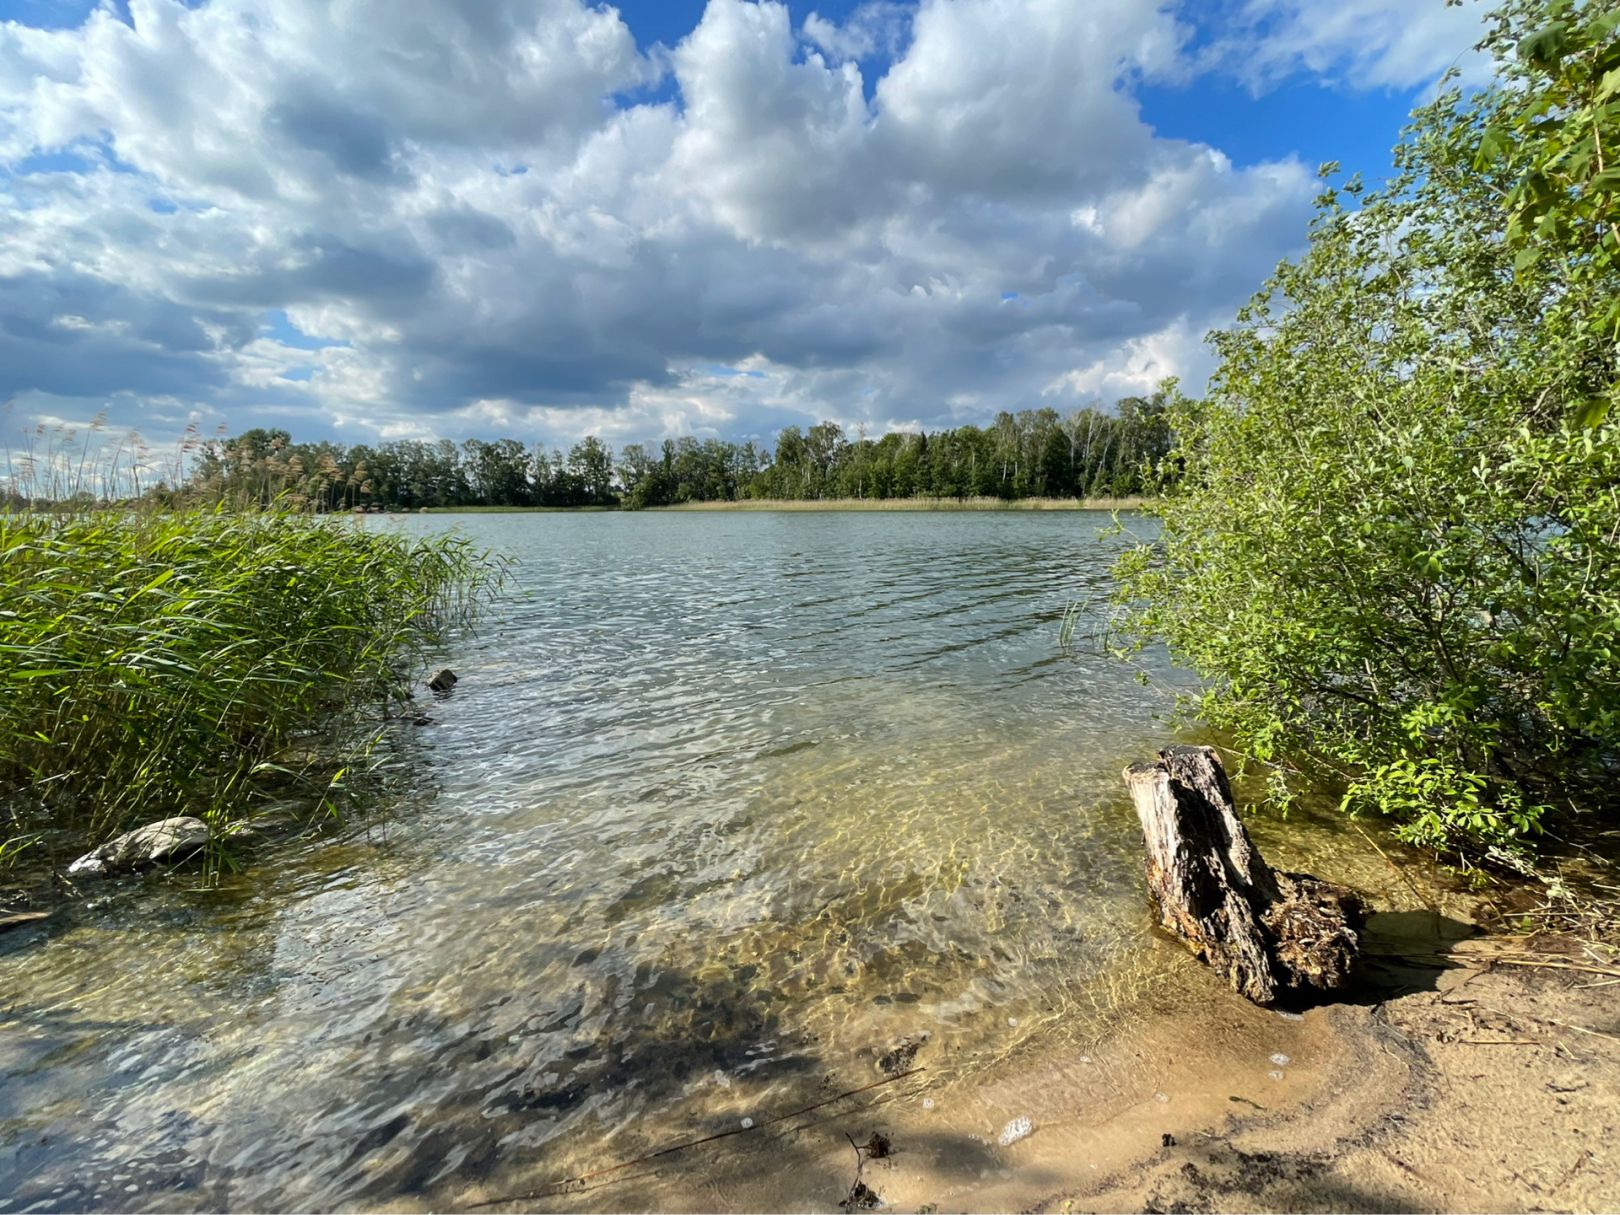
(1395, 551)
(156, 663)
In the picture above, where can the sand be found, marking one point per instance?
(1461, 1079)
(1479, 1094)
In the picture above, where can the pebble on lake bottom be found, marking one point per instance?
(1275, 1075)
(1018, 1128)
(748, 1124)
(1280, 1059)
(1161, 1098)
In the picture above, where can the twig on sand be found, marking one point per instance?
(859, 1159)
(1547, 964)
(574, 1184)
(1580, 1029)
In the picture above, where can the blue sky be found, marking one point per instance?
(543, 218)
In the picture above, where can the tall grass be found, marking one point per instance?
(167, 662)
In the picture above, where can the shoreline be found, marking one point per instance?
(1393, 1099)
(1494, 1085)
(905, 505)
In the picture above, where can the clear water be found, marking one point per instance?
(723, 807)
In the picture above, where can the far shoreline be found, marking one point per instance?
(827, 504)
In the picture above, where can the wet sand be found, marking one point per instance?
(1486, 1092)
(1459, 1081)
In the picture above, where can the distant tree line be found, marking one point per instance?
(1033, 453)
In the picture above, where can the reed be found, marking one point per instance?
(200, 661)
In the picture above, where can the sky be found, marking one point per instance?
(538, 219)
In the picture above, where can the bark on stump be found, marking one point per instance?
(1268, 933)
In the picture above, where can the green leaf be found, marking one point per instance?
(1493, 145)
(1592, 412)
(1546, 46)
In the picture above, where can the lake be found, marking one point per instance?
(724, 812)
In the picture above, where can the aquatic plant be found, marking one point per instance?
(198, 661)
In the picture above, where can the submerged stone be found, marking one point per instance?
(442, 680)
(168, 840)
(1018, 1128)
(902, 1055)
(862, 1197)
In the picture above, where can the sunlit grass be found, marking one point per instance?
(170, 662)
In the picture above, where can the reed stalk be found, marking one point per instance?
(199, 661)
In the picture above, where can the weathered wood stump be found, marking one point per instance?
(1269, 933)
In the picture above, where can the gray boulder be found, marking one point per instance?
(170, 839)
(442, 680)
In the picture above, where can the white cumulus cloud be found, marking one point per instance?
(425, 217)
(1395, 44)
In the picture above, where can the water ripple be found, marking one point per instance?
(734, 796)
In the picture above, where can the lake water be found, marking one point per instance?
(724, 808)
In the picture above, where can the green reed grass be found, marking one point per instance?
(197, 661)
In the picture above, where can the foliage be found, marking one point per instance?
(1395, 549)
(1034, 453)
(158, 663)
(1557, 141)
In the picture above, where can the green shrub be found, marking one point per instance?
(1395, 552)
(156, 663)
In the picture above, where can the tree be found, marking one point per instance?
(824, 447)
(1395, 550)
(635, 469)
(498, 471)
(591, 463)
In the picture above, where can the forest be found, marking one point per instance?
(1031, 454)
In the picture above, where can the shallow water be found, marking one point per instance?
(723, 808)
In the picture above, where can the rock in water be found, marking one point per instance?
(170, 839)
(1267, 932)
(442, 680)
(1019, 1128)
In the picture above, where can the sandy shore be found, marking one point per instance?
(1474, 1074)
(1485, 1091)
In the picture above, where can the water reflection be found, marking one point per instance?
(722, 808)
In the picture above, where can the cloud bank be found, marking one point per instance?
(416, 217)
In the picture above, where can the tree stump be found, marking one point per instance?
(1268, 933)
